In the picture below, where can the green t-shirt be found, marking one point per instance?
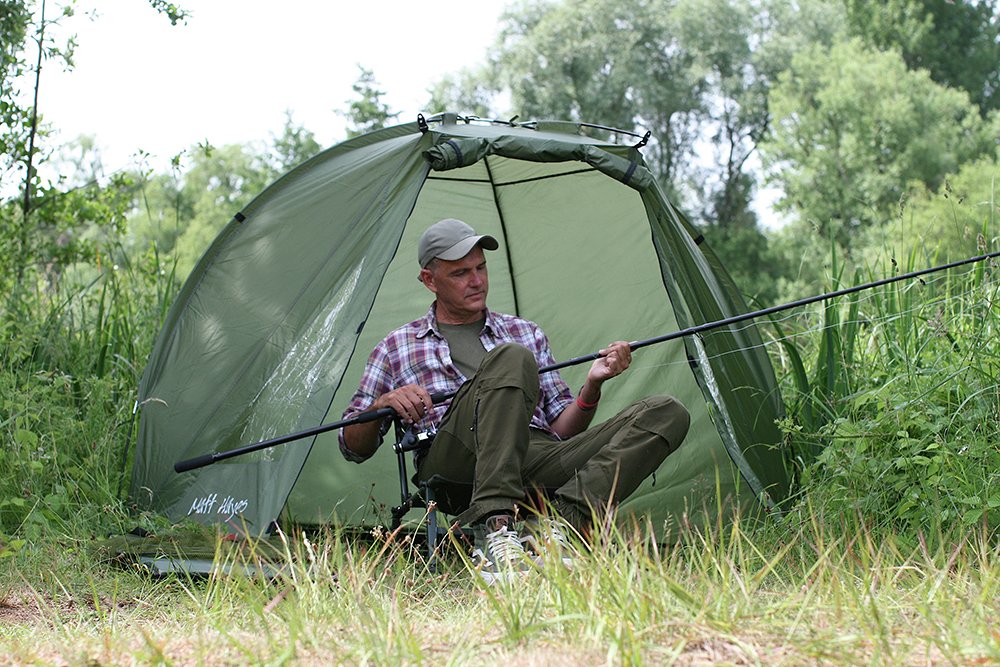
(466, 349)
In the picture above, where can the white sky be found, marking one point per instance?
(229, 75)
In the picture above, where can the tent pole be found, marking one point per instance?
(374, 415)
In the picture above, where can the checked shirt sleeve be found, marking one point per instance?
(376, 380)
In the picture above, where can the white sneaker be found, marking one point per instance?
(501, 554)
(550, 539)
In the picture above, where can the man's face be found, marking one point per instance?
(460, 286)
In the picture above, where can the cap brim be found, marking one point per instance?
(465, 246)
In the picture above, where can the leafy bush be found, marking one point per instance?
(898, 420)
(62, 454)
(71, 362)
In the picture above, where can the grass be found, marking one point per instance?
(791, 592)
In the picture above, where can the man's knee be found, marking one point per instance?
(512, 353)
(509, 366)
(667, 416)
(510, 358)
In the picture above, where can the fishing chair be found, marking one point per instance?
(438, 494)
(435, 495)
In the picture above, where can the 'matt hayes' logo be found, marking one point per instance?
(229, 507)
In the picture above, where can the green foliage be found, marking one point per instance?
(957, 42)
(70, 365)
(15, 19)
(292, 147)
(173, 12)
(749, 259)
(948, 225)
(220, 182)
(181, 212)
(56, 460)
(897, 418)
(852, 128)
(802, 260)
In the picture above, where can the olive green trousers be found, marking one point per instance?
(485, 441)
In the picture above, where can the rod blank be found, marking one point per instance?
(208, 459)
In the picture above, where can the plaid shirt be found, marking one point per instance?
(417, 353)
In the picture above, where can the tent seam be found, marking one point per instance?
(506, 236)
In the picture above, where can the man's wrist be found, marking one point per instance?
(589, 403)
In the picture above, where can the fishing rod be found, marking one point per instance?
(382, 413)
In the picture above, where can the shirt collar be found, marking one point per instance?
(429, 323)
(491, 323)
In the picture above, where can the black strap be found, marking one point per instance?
(458, 151)
(628, 173)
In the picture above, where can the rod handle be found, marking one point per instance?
(196, 462)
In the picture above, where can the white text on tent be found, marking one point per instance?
(229, 505)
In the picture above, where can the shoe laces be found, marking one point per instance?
(504, 547)
(553, 531)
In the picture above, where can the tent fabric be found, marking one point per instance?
(271, 330)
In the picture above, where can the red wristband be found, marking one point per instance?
(586, 407)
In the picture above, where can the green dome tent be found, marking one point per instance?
(270, 332)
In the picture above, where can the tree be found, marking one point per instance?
(45, 225)
(21, 135)
(295, 145)
(954, 222)
(734, 109)
(958, 43)
(609, 62)
(472, 91)
(15, 19)
(181, 212)
(852, 127)
(368, 112)
(186, 210)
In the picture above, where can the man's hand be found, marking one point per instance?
(410, 402)
(615, 358)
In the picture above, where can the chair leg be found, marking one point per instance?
(432, 529)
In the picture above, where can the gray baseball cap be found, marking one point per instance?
(450, 239)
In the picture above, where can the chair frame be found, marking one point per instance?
(408, 439)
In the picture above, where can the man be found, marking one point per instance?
(508, 429)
